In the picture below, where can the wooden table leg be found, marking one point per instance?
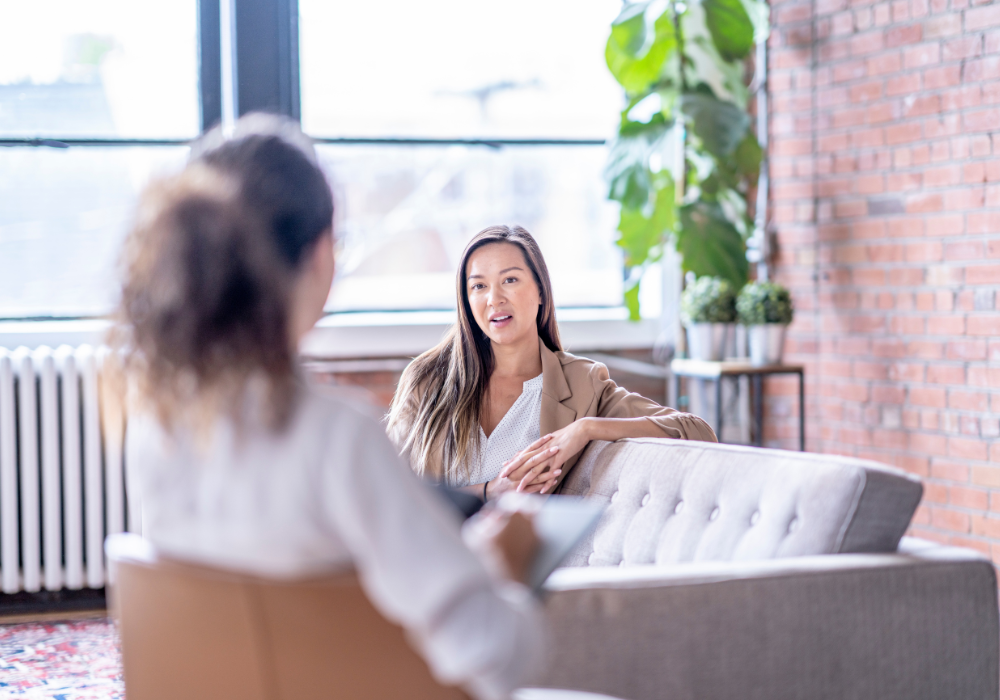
(802, 412)
(718, 407)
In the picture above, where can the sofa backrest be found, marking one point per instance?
(675, 501)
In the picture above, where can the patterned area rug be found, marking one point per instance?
(60, 660)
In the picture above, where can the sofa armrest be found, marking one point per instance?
(918, 625)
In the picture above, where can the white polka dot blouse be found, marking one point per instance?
(517, 429)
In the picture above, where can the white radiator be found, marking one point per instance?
(62, 480)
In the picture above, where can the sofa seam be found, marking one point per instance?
(852, 512)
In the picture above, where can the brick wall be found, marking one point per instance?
(378, 387)
(885, 164)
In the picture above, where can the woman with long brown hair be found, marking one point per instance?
(240, 462)
(498, 405)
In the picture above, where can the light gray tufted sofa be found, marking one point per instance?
(725, 572)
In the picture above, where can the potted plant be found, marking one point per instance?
(685, 160)
(708, 310)
(765, 308)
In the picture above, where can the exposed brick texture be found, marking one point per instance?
(885, 164)
(378, 387)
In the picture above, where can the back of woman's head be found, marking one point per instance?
(209, 269)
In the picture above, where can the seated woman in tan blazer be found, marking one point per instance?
(498, 405)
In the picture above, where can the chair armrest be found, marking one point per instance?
(914, 626)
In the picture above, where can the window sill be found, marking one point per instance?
(375, 334)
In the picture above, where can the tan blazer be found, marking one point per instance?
(575, 387)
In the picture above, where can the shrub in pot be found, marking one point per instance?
(708, 310)
(765, 308)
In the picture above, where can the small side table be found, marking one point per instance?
(715, 371)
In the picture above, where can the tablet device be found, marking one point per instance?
(561, 523)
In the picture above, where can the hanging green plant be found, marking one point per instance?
(684, 157)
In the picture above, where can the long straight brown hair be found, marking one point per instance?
(436, 412)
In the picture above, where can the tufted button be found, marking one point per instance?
(645, 499)
(794, 525)
(755, 517)
(714, 514)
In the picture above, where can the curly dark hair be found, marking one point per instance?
(208, 271)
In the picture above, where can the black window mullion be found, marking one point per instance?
(267, 61)
(209, 63)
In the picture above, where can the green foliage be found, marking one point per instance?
(708, 300)
(720, 126)
(634, 59)
(764, 302)
(710, 245)
(730, 27)
(683, 174)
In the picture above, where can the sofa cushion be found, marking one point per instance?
(676, 501)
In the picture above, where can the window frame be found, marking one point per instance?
(265, 67)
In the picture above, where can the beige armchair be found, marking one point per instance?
(203, 634)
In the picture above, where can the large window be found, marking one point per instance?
(433, 120)
(525, 76)
(112, 71)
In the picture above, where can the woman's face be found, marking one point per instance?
(502, 293)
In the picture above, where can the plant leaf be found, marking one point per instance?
(748, 156)
(637, 72)
(641, 234)
(632, 302)
(719, 125)
(629, 28)
(730, 26)
(627, 171)
(710, 245)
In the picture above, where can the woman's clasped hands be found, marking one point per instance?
(537, 468)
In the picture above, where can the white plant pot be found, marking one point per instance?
(767, 343)
(708, 341)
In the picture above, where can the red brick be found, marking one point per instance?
(950, 470)
(884, 394)
(968, 400)
(945, 374)
(984, 376)
(985, 527)
(964, 497)
(982, 274)
(961, 48)
(926, 396)
(882, 65)
(964, 250)
(924, 203)
(935, 493)
(965, 448)
(946, 325)
(952, 520)
(981, 120)
(925, 349)
(944, 25)
(945, 76)
(943, 177)
(982, 17)
(984, 325)
(966, 350)
(923, 252)
(897, 36)
(922, 55)
(907, 84)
